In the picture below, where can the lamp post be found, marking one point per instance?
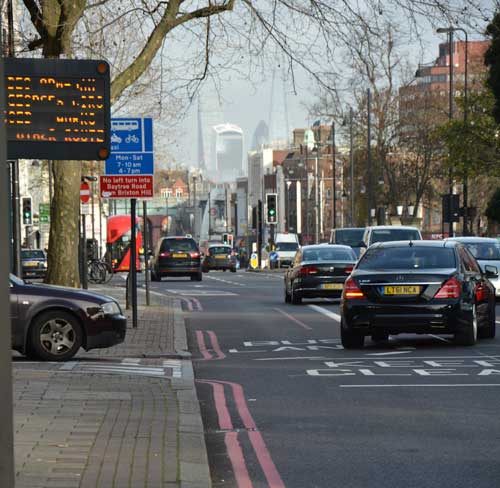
(369, 158)
(334, 181)
(288, 185)
(449, 31)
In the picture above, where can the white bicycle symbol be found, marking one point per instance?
(131, 138)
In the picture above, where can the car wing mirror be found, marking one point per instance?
(491, 271)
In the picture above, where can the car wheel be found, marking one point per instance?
(193, 277)
(224, 270)
(351, 339)
(233, 270)
(205, 270)
(468, 335)
(55, 336)
(296, 299)
(489, 331)
(154, 276)
(380, 336)
(199, 277)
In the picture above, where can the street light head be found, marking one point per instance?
(444, 30)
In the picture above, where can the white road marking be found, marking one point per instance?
(241, 352)
(131, 360)
(441, 338)
(203, 293)
(387, 353)
(324, 311)
(419, 385)
(292, 358)
(68, 366)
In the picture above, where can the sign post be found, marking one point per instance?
(129, 174)
(84, 198)
(6, 426)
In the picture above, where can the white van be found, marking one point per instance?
(285, 246)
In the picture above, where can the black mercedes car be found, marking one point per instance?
(318, 271)
(418, 287)
(176, 256)
(52, 322)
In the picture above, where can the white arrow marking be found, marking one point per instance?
(387, 353)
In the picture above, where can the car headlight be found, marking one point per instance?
(111, 308)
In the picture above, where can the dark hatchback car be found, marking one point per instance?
(52, 322)
(219, 256)
(33, 263)
(318, 271)
(432, 287)
(176, 256)
(349, 236)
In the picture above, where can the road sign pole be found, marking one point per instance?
(133, 270)
(85, 268)
(16, 222)
(145, 246)
(6, 426)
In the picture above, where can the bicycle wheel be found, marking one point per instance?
(106, 270)
(94, 274)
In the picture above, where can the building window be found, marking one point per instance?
(166, 193)
(436, 217)
(328, 193)
(178, 192)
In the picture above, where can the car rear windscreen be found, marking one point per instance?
(178, 245)
(328, 255)
(388, 235)
(219, 250)
(32, 254)
(286, 246)
(484, 251)
(349, 237)
(408, 257)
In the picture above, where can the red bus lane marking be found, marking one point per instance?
(293, 319)
(230, 438)
(215, 344)
(201, 345)
(268, 467)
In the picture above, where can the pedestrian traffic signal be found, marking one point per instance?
(271, 208)
(27, 216)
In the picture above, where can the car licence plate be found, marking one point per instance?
(220, 257)
(31, 264)
(179, 255)
(401, 290)
(332, 286)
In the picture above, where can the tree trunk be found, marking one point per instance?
(64, 229)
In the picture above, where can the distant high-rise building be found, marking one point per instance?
(209, 115)
(228, 156)
(260, 136)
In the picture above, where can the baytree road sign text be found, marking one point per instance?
(127, 186)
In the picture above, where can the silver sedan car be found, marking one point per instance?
(486, 250)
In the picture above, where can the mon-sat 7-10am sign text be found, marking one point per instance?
(130, 167)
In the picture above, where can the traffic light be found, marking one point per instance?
(225, 238)
(271, 208)
(27, 215)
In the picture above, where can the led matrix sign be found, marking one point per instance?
(57, 109)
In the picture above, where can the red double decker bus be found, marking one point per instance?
(118, 241)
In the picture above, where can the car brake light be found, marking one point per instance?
(164, 254)
(352, 291)
(451, 289)
(194, 254)
(308, 270)
(348, 269)
(481, 293)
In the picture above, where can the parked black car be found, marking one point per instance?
(418, 287)
(219, 256)
(33, 263)
(318, 271)
(52, 322)
(176, 256)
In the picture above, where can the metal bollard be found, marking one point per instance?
(128, 293)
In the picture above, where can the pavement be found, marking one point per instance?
(123, 417)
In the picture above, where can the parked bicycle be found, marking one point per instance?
(99, 271)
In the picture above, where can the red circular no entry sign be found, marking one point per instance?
(84, 192)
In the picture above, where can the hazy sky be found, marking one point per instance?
(247, 103)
